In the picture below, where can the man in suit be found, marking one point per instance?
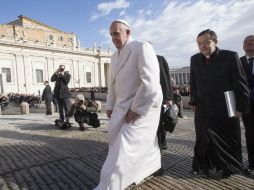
(133, 106)
(218, 137)
(61, 91)
(248, 118)
(167, 98)
(47, 96)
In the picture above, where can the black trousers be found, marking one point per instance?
(248, 121)
(48, 106)
(63, 108)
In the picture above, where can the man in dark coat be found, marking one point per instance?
(218, 136)
(248, 118)
(61, 91)
(167, 98)
(178, 100)
(47, 96)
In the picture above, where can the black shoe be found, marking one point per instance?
(250, 169)
(226, 173)
(159, 172)
(201, 172)
(194, 172)
(165, 147)
(81, 127)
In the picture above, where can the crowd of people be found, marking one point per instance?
(184, 90)
(4, 102)
(32, 99)
(90, 89)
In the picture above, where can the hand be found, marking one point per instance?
(193, 108)
(83, 107)
(169, 103)
(131, 116)
(238, 114)
(109, 113)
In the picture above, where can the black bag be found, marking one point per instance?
(62, 124)
(92, 119)
(170, 118)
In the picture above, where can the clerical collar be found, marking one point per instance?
(248, 57)
(212, 55)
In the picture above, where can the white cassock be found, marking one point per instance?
(133, 148)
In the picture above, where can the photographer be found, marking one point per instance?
(78, 109)
(83, 111)
(61, 91)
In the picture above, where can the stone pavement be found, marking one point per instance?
(35, 155)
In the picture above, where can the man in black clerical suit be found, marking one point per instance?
(167, 98)
(248, 118)
(47, 95)
(218, 137)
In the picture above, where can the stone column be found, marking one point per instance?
(28, 72)
(20, 73)
(102, 78)
(77, 70)
(186, 78)
(50, 70)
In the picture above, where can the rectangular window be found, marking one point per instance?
(7, 71)
(39, 76)
(88, 77)
(50, 37)
(60, 38)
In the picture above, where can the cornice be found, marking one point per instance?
(80, 51)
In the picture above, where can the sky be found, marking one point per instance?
(171, 25)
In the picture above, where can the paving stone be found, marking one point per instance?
(35, 155)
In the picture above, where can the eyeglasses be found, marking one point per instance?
(207, 42)
(249, 40)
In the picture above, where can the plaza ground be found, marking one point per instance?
(36, 155)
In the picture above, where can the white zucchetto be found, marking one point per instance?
(122, 21)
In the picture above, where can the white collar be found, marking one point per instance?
(248, 57)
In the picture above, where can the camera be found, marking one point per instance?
(80, 102)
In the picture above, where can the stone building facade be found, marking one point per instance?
(180, 76)
(30, 52)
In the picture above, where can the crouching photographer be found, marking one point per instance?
(84, 112)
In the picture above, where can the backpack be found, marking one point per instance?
(91, 106)
(170, 118)
(92, 119)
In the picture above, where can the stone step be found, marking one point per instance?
(14, 109)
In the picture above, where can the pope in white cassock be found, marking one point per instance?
(133, 106)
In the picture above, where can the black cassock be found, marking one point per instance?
(218, 137)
